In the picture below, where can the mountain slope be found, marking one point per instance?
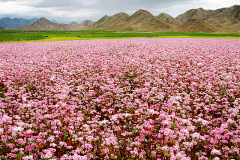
(194, 13)
(100, 23)
(224, 18)
(44, 24)
(143, 20)
(110, 23)
(84, 25)
(139, 21)
(87, 23)
(15, 23)
(167, 19)
(196, 25)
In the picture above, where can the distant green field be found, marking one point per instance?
(26, 35)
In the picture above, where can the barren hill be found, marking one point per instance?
(143, 20)
(87, 23)
(110, 23)
(207, 20)
(139, 21)
(44, 24)
(84, 25)
(193, 13)
(196, 25)
(8, 28)
(228, 18)
(200, 20)
(100, 22)
(167, 19)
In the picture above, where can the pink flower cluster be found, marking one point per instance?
(126, 98)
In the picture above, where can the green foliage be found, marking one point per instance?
(166, 153)
(173, 125)
(44, 35)
(84, 111)
(171, 140)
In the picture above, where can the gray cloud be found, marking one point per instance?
(130, 6)
(6, 0)
(60, 3)
(80, 10)
(106, 5)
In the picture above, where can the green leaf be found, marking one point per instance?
(173, 125)
(166, 153)
(84, 111)
(171, 140)
(3, 96)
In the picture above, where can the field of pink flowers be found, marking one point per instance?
(120, 99)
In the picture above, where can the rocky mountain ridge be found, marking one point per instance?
(45, 24)
(194, 20)
(15, 22)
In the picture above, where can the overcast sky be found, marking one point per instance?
(66, 11)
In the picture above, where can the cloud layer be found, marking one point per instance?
(66, 11)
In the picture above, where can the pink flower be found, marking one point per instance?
(52, 149)
(48, 155)
(111, 140)
(26, 135)
(53, 145)
(153, 153)
(214, 151)
(14, 150)
(142, 153)
(61, 143)
(203, 158)
(137, 143)
(1, 131)
(135, 151)
(28, 149)
(11, 155)
(106, 150)
(18, 129)
(87, 146)
(89, 138)
(162, 95)
(20, 141)
(50, 139)
(28, 157)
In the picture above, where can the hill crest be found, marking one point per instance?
(142, 20)
(15, 23)
(44, 24)
(228, 18)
